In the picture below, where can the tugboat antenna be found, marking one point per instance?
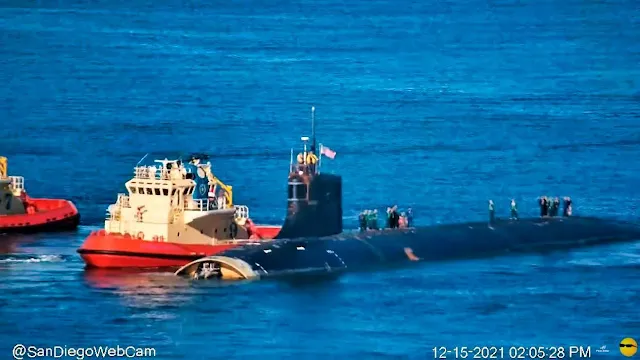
(313, 129)
(144, 157)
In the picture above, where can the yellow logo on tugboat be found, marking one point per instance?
(628, 347)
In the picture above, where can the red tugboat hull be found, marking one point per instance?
(102, 250)
(51, 215)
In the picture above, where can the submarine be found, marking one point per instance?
(312, 240)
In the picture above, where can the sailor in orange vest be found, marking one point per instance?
(307, 158)
(312, 159)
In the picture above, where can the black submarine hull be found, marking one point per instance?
(312, 239)
(352, 251)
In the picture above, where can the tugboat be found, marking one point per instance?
(20, 213)
(174, 213)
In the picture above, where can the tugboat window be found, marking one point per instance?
(149, 191)
(140, 190)
(185, 191)
(157, 191)
(165, 192)
(290, 196)
(133, 190)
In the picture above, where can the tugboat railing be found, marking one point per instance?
(241, 211)
(154, 173)
(205, 204)
(200, 204)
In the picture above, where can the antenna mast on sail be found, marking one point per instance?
(313, 130)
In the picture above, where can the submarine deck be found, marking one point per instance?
(353, 250)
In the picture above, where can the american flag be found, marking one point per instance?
(327, 152)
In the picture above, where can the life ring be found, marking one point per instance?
(233, 230)
(141, 235)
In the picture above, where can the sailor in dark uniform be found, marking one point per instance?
(545, 206)
(409, 217)
(395, 217)
(363, 221)
(567, 207)
(556, 206)
(542, 205)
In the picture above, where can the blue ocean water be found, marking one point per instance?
(435, 105)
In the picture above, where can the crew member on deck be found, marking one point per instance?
(389, 218)
(409, 217)
(567, 207)
(514, 210)
(363, 221)
(402, 223)
(556, 206)
(374, 219)
(543, 206)
(492, 212)
(312, 159)
(395, 217)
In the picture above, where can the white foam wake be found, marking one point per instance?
(30, 258)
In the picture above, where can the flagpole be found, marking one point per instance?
(313, 129)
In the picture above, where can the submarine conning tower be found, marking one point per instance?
(314, 199)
